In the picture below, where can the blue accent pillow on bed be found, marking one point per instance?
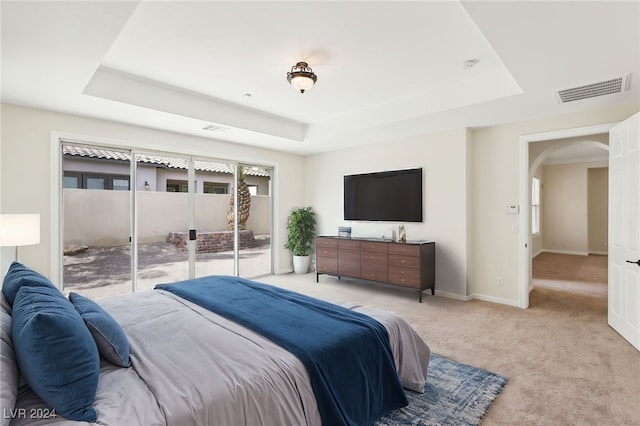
(111, 339)
(19, 275)
(56, 354)
(8, 365)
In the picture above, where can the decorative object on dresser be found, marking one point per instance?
(301, 230)
(410, 265)
(402, 234)
(344, 231)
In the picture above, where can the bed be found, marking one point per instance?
(188, 365)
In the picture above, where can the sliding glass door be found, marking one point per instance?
(255, 206)
(136, 219)
(214, 251)
(96, 203)
(162, 219)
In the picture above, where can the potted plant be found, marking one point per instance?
(301, 230)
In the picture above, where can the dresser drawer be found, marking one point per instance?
(405, 249)
(407, 277)
(373, 247)
(349, 267)
(327, 252)
(327, 242)
(404, 261)
(373, 257)
(328, 265)
(374, 271)
(348, 244)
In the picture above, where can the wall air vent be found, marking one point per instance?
(214, 128)
(608, 87)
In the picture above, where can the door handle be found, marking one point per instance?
(637, 262)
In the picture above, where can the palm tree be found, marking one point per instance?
(244, 202)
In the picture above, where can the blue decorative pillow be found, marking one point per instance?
(111, 339)
(56, 354)
(8, 365)
(19, 275)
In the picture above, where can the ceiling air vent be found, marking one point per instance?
(608, 87)
(214, 128)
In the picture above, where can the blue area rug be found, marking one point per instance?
(455, 394)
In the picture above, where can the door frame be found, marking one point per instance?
(524, 237)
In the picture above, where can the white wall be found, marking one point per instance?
(26, 170)
(575, 207)
(564, 208)
(494, 167)
(442, 157)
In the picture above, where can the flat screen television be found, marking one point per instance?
(393, 196)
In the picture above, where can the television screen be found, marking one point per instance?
(394, 196)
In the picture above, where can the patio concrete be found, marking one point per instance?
(106, 271)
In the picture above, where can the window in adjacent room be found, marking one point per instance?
(535, 206)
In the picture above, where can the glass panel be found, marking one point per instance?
(71, 182)
(97, 253)
(95, 183)
(255, 241)
(214, 247)
(163, 226)
(120, 184)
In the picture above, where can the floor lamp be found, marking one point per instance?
(19, 230)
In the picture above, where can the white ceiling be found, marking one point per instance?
(386, 70)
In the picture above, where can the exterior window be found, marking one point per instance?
(71, 182)
(535, 206)
(253, 189)
(215, 188)
(177, 186)
(95, 181)
(120, 184)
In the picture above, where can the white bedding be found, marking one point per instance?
(193, 367)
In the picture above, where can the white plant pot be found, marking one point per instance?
(301, 264)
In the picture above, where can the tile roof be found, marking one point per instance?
(158, 160)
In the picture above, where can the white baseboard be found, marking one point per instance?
(576, 253)
(453, 295)
(599, 253)
(494, 299)
(537, 253)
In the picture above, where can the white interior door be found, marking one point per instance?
(624, 229)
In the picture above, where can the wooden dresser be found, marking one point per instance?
(410, 265)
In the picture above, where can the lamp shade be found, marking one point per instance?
(19, 229)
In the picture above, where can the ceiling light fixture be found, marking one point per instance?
(301, 77)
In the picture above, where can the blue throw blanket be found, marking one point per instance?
(346, 354)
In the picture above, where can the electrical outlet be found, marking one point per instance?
(500, 282)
